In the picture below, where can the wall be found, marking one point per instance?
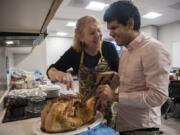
(56, 47)
(170, 34)
(42, 55)
(3, 77)
(34, 60)
(151, 31)
(2, 67)
(176, 54)
(10, 64)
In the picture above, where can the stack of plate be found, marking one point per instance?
(51, 90)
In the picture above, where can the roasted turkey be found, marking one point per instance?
(66, 113)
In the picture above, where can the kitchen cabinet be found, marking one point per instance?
(25, 21)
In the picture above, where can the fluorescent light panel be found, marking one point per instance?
(61, 34)
(9, 42)
(152, 15)
(71, 24)
(96, 6)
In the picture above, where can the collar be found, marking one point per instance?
(136, 43)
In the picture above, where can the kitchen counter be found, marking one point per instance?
(25, 127)
(21, 127)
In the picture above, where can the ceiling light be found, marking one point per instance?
(9, 42)
(61, 34)
(71, 24)
(151, 15)
(96, 6)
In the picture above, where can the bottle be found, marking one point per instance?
(177, 74)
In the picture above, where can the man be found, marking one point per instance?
(143, 71)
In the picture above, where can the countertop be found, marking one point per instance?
(25, 127)
(21, 127)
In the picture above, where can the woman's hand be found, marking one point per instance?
(62, 77)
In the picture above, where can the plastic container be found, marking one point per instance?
(36, 101)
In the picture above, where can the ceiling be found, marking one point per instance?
(73, 9)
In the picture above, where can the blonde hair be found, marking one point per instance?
(80, 25)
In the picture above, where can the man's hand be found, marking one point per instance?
(105, 95)
(105, 92)
(104, 77)
(110, 77)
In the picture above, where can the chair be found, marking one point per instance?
(174, 96)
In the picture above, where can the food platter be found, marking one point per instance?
(98, 120)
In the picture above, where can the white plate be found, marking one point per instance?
(50, 87)
(65, 92)
(98, 120)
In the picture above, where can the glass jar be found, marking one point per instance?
(177, 74)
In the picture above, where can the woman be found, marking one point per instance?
(89, 55)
